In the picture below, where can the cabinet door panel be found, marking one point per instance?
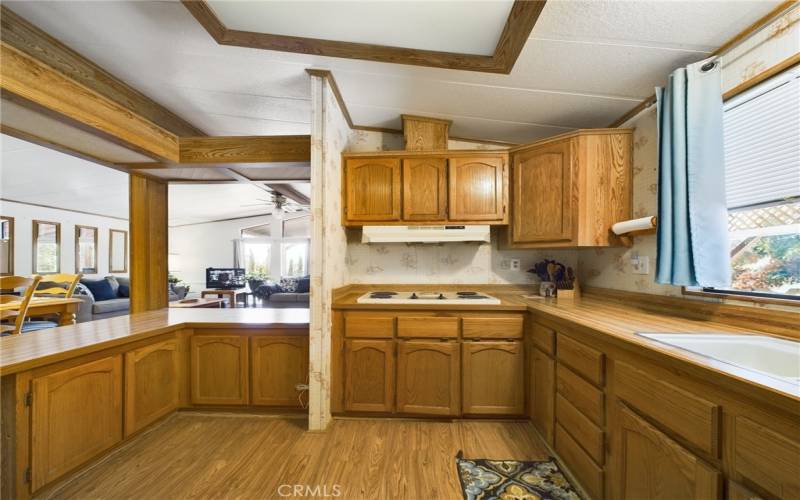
(152, 383)
(543, 186)
(428, 378)
(369, 375)
(77, 414)
(278, 365)
(425, 189)
(543, 387)
(219, 369)
(493, 378)
(651, 465)
(476, 189)
(373, 189)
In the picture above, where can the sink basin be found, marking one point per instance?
(769, 356)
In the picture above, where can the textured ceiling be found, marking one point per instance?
(585, 64)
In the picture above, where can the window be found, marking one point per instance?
(46, 247)
(294, 258)
(256, 257)
(85, 249)
(6, 245)
(117, 251)
(762, 161)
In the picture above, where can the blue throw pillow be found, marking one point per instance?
(303, 284)
(101, 289)
(124, 291)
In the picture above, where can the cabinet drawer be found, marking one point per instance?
(544, 338)
(579, 463)
(583, 395)
(766, 458)
(694, 419)
(501, 327)
(581, 428)
(583, 359)
(427, 327)
(368, 325)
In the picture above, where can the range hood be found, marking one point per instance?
(424, 234)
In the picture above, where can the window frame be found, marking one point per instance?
(111, 269)
(11, 241)
(35, 237)
(93, 270)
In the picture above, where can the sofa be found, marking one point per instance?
(110, 296)
(289, 292)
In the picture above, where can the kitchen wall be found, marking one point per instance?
(449, 263)
(611, 268)
(25, 214)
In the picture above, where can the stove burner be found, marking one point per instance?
(475, 297)
(464, 294)
(382, 295)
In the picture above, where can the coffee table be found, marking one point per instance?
(231, 294)
(198, 303)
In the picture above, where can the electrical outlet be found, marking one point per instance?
(515, 264)
(640, 264)
(301, 387)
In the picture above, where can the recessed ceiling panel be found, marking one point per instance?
(462, 27)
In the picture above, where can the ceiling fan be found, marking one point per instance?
(279, 202)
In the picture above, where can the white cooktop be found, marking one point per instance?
(389, 297)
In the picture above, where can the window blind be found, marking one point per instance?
(762, 142)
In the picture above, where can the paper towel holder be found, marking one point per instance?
(625, 230)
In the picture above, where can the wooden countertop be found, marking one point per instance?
(39, 348)
(618, 321)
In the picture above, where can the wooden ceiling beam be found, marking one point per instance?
(30, 40)
(34, 81)
(245, 149)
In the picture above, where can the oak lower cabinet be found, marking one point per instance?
(369, 380)
(493, 378)
(543, 391)
(428, 378)
(278, 364)
(651, 465)
(77, 414)
(152, 383)
(219, 371)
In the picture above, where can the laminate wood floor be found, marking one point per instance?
(202, 455)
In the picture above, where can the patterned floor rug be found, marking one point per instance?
(483, 479)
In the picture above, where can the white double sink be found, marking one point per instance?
(768, 356)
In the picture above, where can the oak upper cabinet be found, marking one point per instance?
(493, 378)
(424, 189)
(543, 195)
(152, 383)
(219, 369)
(650, 465)
(372, 189)
(278, 365)
(428, 378)
(369, 375)
(77, 414)
(569, 190)
(476, 188)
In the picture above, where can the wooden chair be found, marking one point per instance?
(64, 284)
(16, 306)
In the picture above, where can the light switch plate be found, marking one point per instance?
(641, 265)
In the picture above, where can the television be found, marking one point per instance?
(225, 278)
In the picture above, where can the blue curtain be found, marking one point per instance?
(693, 247)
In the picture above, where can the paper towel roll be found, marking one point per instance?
(634, 225)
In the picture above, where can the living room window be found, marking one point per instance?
(46, 247)
(762, 161)
(294, 258)
(85, 249)
(257, 257)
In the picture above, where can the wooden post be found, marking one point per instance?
(148, 253)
